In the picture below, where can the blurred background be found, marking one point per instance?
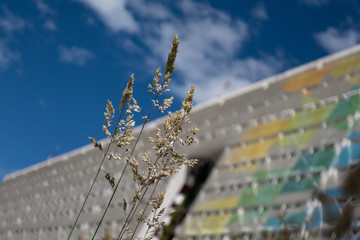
(61, 60)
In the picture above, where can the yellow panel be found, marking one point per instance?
(210, 225)
(245, 168)
(264, 130)
(194, 225)
(346, 66)
(250, 151)
(223, 203)
(353, 79)
(305, 80)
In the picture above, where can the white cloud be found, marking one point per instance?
(314, 3)
(259, 12)
(333, 40)
(75, 55)
(11, 23)
(210, 43)
(44, 8)
(7, 56)
(113, 13)
(50, 25)
(149, 9)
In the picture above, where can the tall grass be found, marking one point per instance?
(162, 162)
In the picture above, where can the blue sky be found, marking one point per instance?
(61, 60)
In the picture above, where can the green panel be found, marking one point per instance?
(311, 117)
(245, 216)
(249, 195)
(268, 193)
(324, 158)
(345, 107)
(262, 175)
(297, 139)
(340, 125)
(302, 185)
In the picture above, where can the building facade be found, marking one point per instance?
(283, 151)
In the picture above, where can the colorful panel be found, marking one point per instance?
(273, 224)
(305, 80)
(354, 135)
(346, 66)
(269, 174)
(311, 117)
(209, 225)
(268, 193)
(343, 125)
(334, 192)
(249, 196)
(301, 185)
(348, 155)
(345, 108)
(315, 161)
(316, 217)
(295, 220)
(354, 79)
(331, 212)
(224, 203)
(247, 216)
(264, 130)
(246, 168)
(292, 221)
(250, 151)
(296, 139)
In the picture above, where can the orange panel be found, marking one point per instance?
(305, 80)
(264, 130)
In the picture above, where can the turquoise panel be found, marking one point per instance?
(318, 160)
(302, 185)
(273, 224)
(295, 220)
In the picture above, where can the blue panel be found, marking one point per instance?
(334, 192)
(316, 219)
(354, 134)
(348, 155)
(331, 213)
